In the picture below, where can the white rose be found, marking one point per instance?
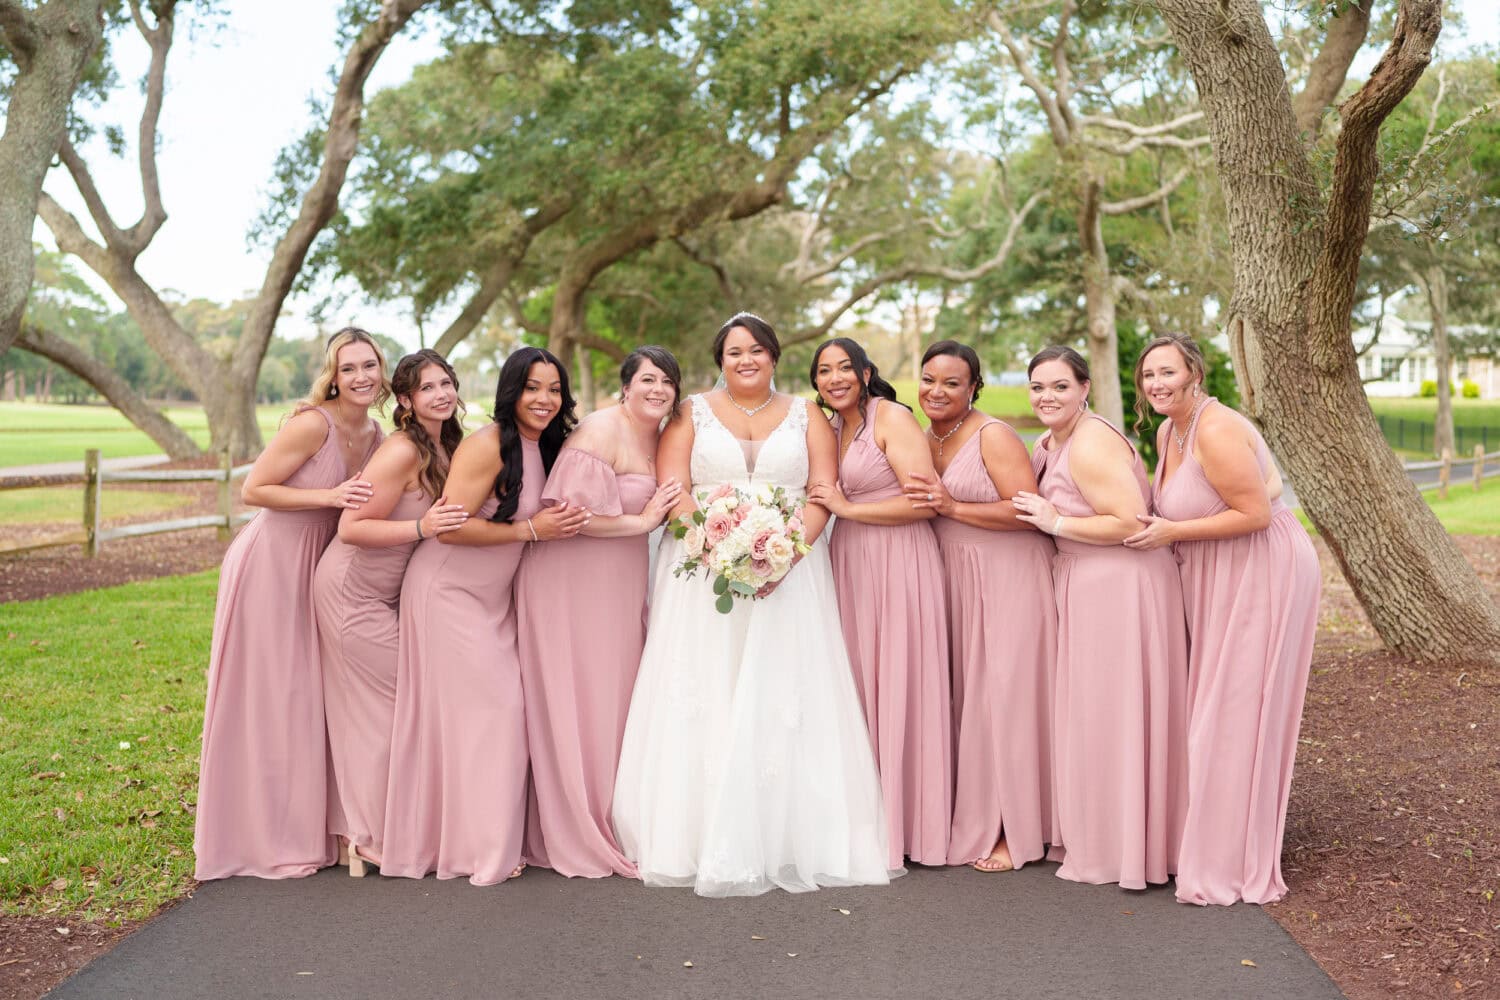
(779, 550)
(693, 541)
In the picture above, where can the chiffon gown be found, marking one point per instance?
(746, 762)
(889, 580)
(1002, 624)
(263, 778)
(581, 603)
(1252, 609)
(1121, 778)
(356, 596)
(456, 802)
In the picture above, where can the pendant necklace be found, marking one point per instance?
(747, 411)
(942, 439)
(1192, 420)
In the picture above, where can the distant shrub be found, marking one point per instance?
(1429, 389)
(1470, 389)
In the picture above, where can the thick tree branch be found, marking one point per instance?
(726, 287)
(18, 32)
(1147, 141)
(153, 215)
(1346, 36)
(1147, 200)
(92, 200)
(1143, 131)
(172, 439)
(1063, 73)
(1020, 51)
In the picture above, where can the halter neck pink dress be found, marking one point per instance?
(889, 581)
(263, 779)
(1252, 610)
(1002, 627)
(581, 604)
(356, 595)
(1121, 694)
(456, 802)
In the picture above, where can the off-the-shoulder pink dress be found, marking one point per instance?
(1252, 609)
(356, 595)
(1121, 718)
(581, 604)
(263, 779)
(456, 802)
(1003, 629)
(889, 580)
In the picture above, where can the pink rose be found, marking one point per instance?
(739, 514)
(794, 525)
(717, 527)
(718, 493)
(758, 545)
(762, 567)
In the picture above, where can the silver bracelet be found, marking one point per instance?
(534, 538)
(420, 536)
(1056, 526)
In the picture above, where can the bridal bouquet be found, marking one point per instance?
(745, 541)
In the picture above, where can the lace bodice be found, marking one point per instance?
(720, 457)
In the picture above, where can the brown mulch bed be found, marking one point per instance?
(1392, 850)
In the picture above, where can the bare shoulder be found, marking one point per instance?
(1221, 427)
(307, 428)
(398, 447)
(1096, 440)
(598, 433)
(815, 414)
(894, 416)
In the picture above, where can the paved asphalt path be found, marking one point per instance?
(935, 933)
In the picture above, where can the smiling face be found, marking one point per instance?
(1166, 380)
(650, 395)
(1057, 395)
(947, 388)
(357, 375)
(435, 397)
(541, 399)
(837, 381)
(747, 366)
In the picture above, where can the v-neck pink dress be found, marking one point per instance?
(263, 779)
(581, 604)
(1121, 694)
(1252, 611)
(1003, 630)
(889, 580)
(456, 802)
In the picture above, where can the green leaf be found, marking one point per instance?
(699, 517)
(742, 588)
(721, 585)
(724, 604)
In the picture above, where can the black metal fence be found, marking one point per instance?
(1414, 435)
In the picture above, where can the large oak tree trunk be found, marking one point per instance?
(1296, 261)
(1435, 281)
(50, 45)
(1099, 309)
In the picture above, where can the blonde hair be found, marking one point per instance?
(324, 387)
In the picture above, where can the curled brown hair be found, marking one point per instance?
(432, 472)
(1192, 357)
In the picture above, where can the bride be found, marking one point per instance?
(746, 762)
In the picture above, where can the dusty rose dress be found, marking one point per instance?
(456, 803)
(263, 791)
(1002, 627)
(581, 604)
(889, 581)
(1121, 719)
(356, 594)
(1252, 609)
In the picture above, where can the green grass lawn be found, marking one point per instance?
(1466, 412)
(36, 433)
(997, 400)
(1465, 512)
(51, 504)
(101, 706)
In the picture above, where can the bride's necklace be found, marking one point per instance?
(748, 411)
(1181, 439)
(942, 439)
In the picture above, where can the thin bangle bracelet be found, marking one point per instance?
(420, 536)
(534, 538)
(1056, 526)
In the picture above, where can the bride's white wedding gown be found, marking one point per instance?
(746, 761)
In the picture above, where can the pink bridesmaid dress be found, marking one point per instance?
(581, 605)
(889, 581)
(1121, 778)
(456, 802)
(263, 779)
(356, 595)
(1002, 629)
(1252, 610)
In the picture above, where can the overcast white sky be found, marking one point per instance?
(237, 94)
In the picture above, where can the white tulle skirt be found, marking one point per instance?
(746, 762)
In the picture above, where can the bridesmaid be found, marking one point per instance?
(1001, 619)
(263, 795)
(889, 579)
(581, 610)
(357, 589)
(456, 802)
(1121, 775)
(1250, 579)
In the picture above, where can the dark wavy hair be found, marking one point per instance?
(1192, 356)
(966, 354)
(1065, 354)
(513, 375)
(661, 358)
(874, 386)
(759, 329)
(432, 473)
